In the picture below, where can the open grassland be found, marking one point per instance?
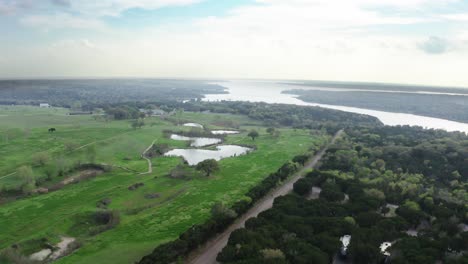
(144, 223)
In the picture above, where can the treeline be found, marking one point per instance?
(271, 114)
(221, 218)
(286, 115)
(407, 162)
(434, 105)
(300, 230)
(87, 92)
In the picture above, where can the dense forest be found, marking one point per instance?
(82, 92)
(442, 106)
(402, 185)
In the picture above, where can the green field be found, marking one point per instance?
(144, 223)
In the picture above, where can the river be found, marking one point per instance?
(270, 92)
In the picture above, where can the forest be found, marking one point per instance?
(369, 190)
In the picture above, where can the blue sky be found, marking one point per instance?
(406, 41)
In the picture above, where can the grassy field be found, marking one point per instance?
(144, 223)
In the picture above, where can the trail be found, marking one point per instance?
(11, 174)
(150, 164)
(208, 252)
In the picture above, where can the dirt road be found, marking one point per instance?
(150, 164)
(207, 254)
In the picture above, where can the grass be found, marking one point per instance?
(145, 223)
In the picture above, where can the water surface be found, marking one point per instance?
(197, 141)
(193, 125)
(224, 132)
(195, 156)
(271, 92)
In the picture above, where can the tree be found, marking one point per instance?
(26, 175)
(301, 159)
(134, 124)
(220, 211)
(350, 220)
(271, 130)
(138, 123)
(50, 171)
(269, 253)
(302, 186)
(40, 158)
(208, 166)
(385, 210)
(253, 134)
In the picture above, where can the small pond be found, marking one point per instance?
(194, 156)
(193, 125)
(224, 132)
(197, 141)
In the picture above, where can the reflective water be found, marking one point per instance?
(195, 156)
(197, 141)
(224, 132)
(193, 125)
(270, 92)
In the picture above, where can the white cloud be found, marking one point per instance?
(115, 7)
(456, 17)
(297, 39)
(60, 21)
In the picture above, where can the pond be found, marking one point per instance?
(224, 132)
(195, 156)
(193, 125)
(197, 141)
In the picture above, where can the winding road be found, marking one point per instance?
(150, 164)
(207, 253)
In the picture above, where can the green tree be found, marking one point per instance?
(301, 159)
(271, 130)
(28, 181)
(220, 211)
(40, 158)
(208, 166)
(253, 134)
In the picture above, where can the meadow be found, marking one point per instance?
(144, 222)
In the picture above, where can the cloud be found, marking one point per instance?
(116, 7)
(456, 17)
(65, 3)
(72, 43)
(435, 45)
(60, 21)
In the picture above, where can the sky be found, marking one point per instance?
(393, 41)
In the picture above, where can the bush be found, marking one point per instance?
(303, 186)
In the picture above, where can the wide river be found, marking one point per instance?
(270, 92)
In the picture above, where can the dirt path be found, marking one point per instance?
(11, 174)
(150, 164)
(208, 253)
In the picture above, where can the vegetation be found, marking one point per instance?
(362, 175)
(221, 218)
(208, 166)
(153, 214)
(253, 134)
(83, 94)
